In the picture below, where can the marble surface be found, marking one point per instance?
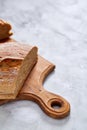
(59, 29)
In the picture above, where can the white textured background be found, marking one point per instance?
(59, 29)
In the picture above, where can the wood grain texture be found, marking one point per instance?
(33, 90)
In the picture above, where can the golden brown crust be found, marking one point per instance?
(5, 30)
(13, 50)
(16, 62)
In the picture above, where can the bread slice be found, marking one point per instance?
(16, 62)
(5, 29)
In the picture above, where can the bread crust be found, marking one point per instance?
(5, 29)
(16, 62)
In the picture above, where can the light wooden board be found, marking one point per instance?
(33, 90)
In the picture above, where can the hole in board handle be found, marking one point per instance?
(56, 105)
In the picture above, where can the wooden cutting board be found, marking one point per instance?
(33, 90)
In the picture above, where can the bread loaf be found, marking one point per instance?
(5, 30)
(16, 62)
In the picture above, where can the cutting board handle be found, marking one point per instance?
(53, 105)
